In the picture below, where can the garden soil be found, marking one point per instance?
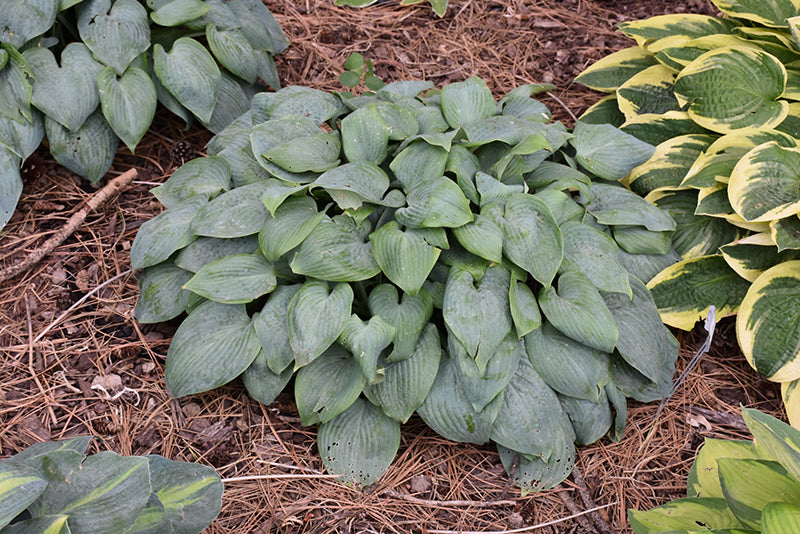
(73, 360)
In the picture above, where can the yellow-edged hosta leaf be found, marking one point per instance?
(790, 394)
(683, 515)
(753, 255)
(684, 291)
(649, 91)
(768, 323)
(786, 232)
(765, 183)
(780, 518)
(703, 479)
(733, 87)
(772, 13)
(615, 69)
(677, 57)
(604, 111)
(686, 25)
(669, 164)
(655, 129)
(20, 485)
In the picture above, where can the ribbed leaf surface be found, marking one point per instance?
(159, 237)
(190, 74)
(316, 317)
(128, 103)
(328, 385)
(115, 33)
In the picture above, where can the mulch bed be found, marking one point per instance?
(74, 361)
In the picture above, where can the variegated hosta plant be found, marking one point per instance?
(439, 6)
(720, 97)
(414, 250)
(55, 488)
(736, 486)
(89, 73)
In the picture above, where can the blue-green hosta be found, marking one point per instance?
(720, 99)
(54, 488)
(415, 250)
(736, 486)
(89, 73)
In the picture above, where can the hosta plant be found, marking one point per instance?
(414, 250)
(55, 488)
(89, 73)
(736, 486)
(439, 6)
(720, 97)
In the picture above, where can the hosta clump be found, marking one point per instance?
(413, 251)
(54, 487)
(737, 486)
(720, 97)
(89, 73)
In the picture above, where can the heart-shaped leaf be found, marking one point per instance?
(292, 222)
(88, 151)
(483, 236)
(161, 293)
(128, 103)
(204, 250)
(409, 316)
(365, 136)
(159, 237)
(467, 102)
(595, 255)
(434, 204)
(405, 257)
(327, 386)
(481, 387)
(22, 20)
(237, 213)
(236, 279)
(366, 341)
(532, 238)
(22, 137)
(233, 51)
(419, 162)
(259, 25)
(594, 142)
(116, 34)
(316, 317)
(177, 12)
(262, 383)
(353, 183)
(764, 183)
(201, 176)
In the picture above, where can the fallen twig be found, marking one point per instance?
(729, 419)
(584, 522)
(72, 224)
(583, 491)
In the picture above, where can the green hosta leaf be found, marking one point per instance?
(189, 497)
(19, 487)
(359, 444)
(88, 151)
(234, 52)
(684, 515)
(159, 237)
(733, 87)
(336, 251)
(608, 73)
(750, 485)
(293, 221)
(328, 385)
(116, 34)
(277, 191)
(161, 293)
(684, 291)
(232, 101)
(772, 301)
(237, 213)
(593, 254)
(685, 25)
(531, 237)
(477, 311)
(34, 455)
(401, 122)
(406, 383)
(764, 184)
(532, 474)
(612, 205)
(482, 386)
(531, 420)
(669, 164)
(316, 317)
(570, 368)
(493, 191)
(15, 86)
(449, 412)
(22, 137)
(655, 129)
(365, 135)
(22, 20)
(467, 102)
(482, 237)
(298, 101)
(607, 152)
(419, 162)
(48, 524)
(128, 103)
(524, 309)
(434, 204)
(66, 94)
(295, 145)
(236, 279)
(351, 184)
(578, 311)
(204, 250)
(405, 257)
(262, 383)
(753, 255)
(104, 494)
(177, 12)
(639, 240)
(259, 25)
(190, 75)
(703, 478)
(507, 129)
(590, 420)
(272, 328)
(211, 347)
(774, 439)
(780, 518)
(649, 91)
(646, 266)
(10, 184)
(772, 14)
(201, 176)
(408, 315)
(366, 341)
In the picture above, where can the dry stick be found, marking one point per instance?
(583, 491)
(72, 224)
(32, 369)
(572, 507)
(417, 500)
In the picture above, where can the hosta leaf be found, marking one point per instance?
(772, 14)
(612, 205)
(669, 164)
(766, 325)
(159, 237)
(316, 317)
(684, 291)
(262, 383)
(88, 151)
(570, 368)
(684, 515)
(493, 191)
(590, 420)
(47, 524)
(482, 237)
(408, 315)
(401, 122)
(336, 251)
(190, 74)
(237, 213)
(201, 176)
(774, 439)
(524, 309)
(351, 184)
(236, 279)
(655, 129)
(753, 255)
(786, 233)
(780, 518)
(604, 111)
(686, 25)
(211, 347)
(593, 254)
(578, 311)
(531, 237)
(234, 52)
(646, 266)
(19, 487)
(177, 12)
(649, 91)
(33, 455)
(232, 101)
(750, 485)
(10, 184)
(639, 240)
(531, 420)
(22, 137)
(15, 86)
(365, 136)
(22, 20)
(116, 34)
(608, 73)
(328, 385)
(316, 152)
(467, 102)
(481, 387)
(366, 341)
(128, 103)
(607, 152)
(405, 257)
(359, 444)
(733, 87)
(703, 480)
(272, 328)
(66, 94)
(477, 312)
(532, 474)
(449, 412)
(161, 293)
(406, 383)
(292, 222)
(791, 401)
(298, 101)
(259, 25)
(204, 250)
(764, 183)
(419, 162)
(434, 204)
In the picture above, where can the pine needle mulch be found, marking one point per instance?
(74, 361)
